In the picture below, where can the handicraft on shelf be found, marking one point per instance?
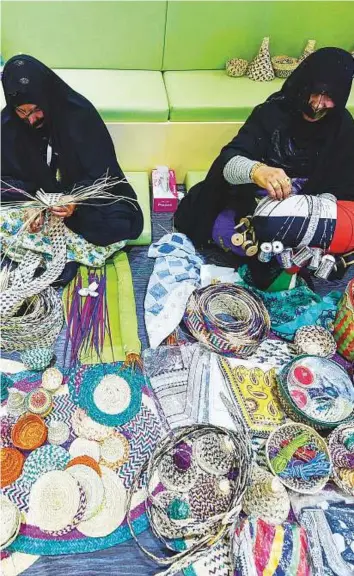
(299, 457)
(261, 69)
(316, 391)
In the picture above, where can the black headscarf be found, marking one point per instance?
(81, 141)
(277, 134)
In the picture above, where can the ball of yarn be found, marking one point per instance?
(182, 459)
(37, 358)
(178, 509)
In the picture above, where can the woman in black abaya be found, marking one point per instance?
(54, 139)
(301, 140)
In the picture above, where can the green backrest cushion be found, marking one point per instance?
(202, 35)
(86, 34)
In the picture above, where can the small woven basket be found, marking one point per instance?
(236, 67)
(284, 65)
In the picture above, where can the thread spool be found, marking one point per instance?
(265, 254)
(326, 267)
(250, 248)
(302, 256)
(316, 258)
(237, 239)
(285, 258)
(243, 225)
(277, 247)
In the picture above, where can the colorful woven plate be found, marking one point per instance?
(39, 402)
(114, 451)
(11, 464)
(83, 447)
(85, 461)
(92, 485)
(316, 391)
(58, 432)
(299, 457)
(214, 454)
(54, 501)
(10, 522)
(29, 432)
(42, 460)
(109, 396)
(52, 379)
(112, 512)
(341, 447)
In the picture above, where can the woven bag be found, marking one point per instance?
(236, 67)
(284, 65)
(343, 331)
(261, 69)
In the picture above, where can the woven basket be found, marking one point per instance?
(236, 67)
(292, 410)
(29, 432)
(343, 330)
(284, 65)
(342, 474)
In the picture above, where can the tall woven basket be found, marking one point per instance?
(343, 331)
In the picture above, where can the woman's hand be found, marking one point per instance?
(36, 220)
(63, 211)
(274, 180)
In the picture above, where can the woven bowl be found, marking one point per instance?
(288, 432)
(236, 67)
(29, 432)
(284, 65)
(343, 457)
(315, 340)
(292, 407)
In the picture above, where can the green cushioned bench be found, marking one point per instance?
(140, 183)
(212, 96)
(121, 95)
(193, 177)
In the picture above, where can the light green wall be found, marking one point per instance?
(84, 34)
(203, 35)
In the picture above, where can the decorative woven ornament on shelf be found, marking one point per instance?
(266, 497)
(228, 319)
(343, 330)
(236, 67)
(29, 432)
(261, 69)
(341, 448)
(309, 49)
(299, 457)
(206, 509)
(316, 391)
(284, 65)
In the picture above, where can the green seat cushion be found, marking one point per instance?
(212, 96)
(121, 95)
(140, 183)
(193, 177)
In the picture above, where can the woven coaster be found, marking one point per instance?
(54, 501)
(85, 427)
(42, 460)
(11, 464)
(114, 451)
(112, 512)
(29, 432)
(85, 461)
(83, 447)
(209, 496)
(52, 379)
(58, 432)
(39, 402)
(175, 479)
(214, 454)
(10, 522)
(92, 485)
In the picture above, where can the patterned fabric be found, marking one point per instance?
(291, 309)
(179, 376)
(176, 275)
(15, 242)
(254, 394)
(263, 549)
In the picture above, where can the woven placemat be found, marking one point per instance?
(84, 447)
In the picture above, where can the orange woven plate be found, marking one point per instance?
(29, 432)
(86, 461)
(11, 463)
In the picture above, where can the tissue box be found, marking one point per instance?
(164, 190)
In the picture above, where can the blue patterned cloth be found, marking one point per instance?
(176, 274)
